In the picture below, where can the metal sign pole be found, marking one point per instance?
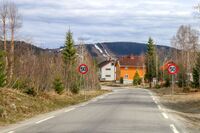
(82, 55)
(173, 69)
(172, 89)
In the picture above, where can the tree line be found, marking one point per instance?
(184, 52)
(34, 72)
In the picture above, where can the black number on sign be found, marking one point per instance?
(83, 69)
(172, 68)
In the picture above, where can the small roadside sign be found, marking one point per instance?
(83, 69)
(173, 69)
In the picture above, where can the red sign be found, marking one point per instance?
(173, 69)
(83, 69)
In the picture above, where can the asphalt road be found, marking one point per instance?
(122, 111)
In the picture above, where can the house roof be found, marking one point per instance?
(131, 61)
(105, 63)
(166, 64)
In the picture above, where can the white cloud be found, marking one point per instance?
(97, 20)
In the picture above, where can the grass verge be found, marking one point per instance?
(16, 106)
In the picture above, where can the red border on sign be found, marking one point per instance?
(81, 66)
(177, 69)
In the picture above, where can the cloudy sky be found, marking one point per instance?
(45, 22)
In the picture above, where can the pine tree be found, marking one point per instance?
(69, 52)
(196, 73)
(137, 80)
(69, 58)
(58, 86)
(150, 61)
(2, 70)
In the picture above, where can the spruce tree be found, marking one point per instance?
(58, 86)
(136, 79)
(2, 70)
(69, 52)
(150, 61)
(69, 58)
(196, 73)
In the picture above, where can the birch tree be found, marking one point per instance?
(3, 19)
(15, 23)
(186, 41)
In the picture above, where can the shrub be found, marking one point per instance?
(167, 82)
(75, 88)
(137, 80)
(58, 86)
(157, 86)
(30, 91)
(1, 110)
(186, 89)
(121, 80)
(2, 70)
(20, 84)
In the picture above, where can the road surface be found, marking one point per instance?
(122, 111)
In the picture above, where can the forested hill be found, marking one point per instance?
(101, 51)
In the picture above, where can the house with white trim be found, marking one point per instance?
(107, 71)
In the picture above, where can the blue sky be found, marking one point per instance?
(45, 22)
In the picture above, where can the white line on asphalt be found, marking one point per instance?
(159, 107)
(83, 104)
(94, 100)
(100, 97)
(68, 110)
(11, 132)
(174, 128)
(165, 116)
(45, 119)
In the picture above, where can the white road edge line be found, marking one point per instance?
(159, 107)
(11, 132)
(165, 116)
(94, 100)
(44, 119)
(101, 97)
(83, 104)
(174, 128)
(68, 110)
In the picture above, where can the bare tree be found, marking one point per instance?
(187, 42)
(14, 24)
(4, 18)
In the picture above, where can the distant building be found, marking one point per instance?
(166, 65)
(107, 71)
(127, 66)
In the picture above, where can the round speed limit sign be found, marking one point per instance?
(173, 69)
(83, 69)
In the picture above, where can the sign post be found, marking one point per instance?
(83, 69)
(172, 70)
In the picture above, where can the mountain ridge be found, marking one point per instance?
(118, 49)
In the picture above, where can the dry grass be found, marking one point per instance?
(19, 106)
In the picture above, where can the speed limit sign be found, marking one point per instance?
(173, 69)
(83, 69)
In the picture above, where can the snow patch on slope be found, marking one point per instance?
(98, 49)
(107, 52)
